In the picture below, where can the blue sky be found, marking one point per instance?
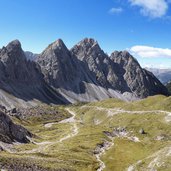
(141, 26)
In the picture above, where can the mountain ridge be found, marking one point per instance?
(84, 73)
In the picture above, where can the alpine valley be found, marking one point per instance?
(81, 110)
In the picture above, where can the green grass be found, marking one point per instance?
(76, 153)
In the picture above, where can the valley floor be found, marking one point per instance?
(102, 136)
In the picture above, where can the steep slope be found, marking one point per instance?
(58, 66)
(105, 71)
(89, 52)
(75, 78)
(140, 81)
(21, 80)
(121, 72)
(85, 73)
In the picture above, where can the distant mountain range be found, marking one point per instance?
(84, 73)
(164, 75)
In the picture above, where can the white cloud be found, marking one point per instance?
(151, 8)
(115, 10)
(149, 52)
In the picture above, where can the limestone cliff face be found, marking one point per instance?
(107, 73)
(140, 81)
(86, 73)
(89, 52)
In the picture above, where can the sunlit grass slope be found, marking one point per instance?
(92, 119)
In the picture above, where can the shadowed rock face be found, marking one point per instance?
(107, 73)
(89, 52)
(15, 66)
(141, 82)
(10, 132)
(79, 74)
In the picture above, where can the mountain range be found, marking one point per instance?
(61, 76)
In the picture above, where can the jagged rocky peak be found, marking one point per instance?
(58, 44)
(14, 49)
(14, 45)
(22, 79)
(140, 82)
(87, 48)
(15, 65)
(123, 58)
(88, 42)
(12, 52)
(57, 64)
(99, 64)
(54, 51)
(85, 73)
(121, 53)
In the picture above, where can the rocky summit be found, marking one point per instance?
(59, 75)
(138, 80)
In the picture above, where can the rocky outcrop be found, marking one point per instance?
(10, 132)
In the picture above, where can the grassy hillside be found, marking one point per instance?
(71, 145)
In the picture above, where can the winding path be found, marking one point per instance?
(42, 146)
(74, 122)
(115, 111)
